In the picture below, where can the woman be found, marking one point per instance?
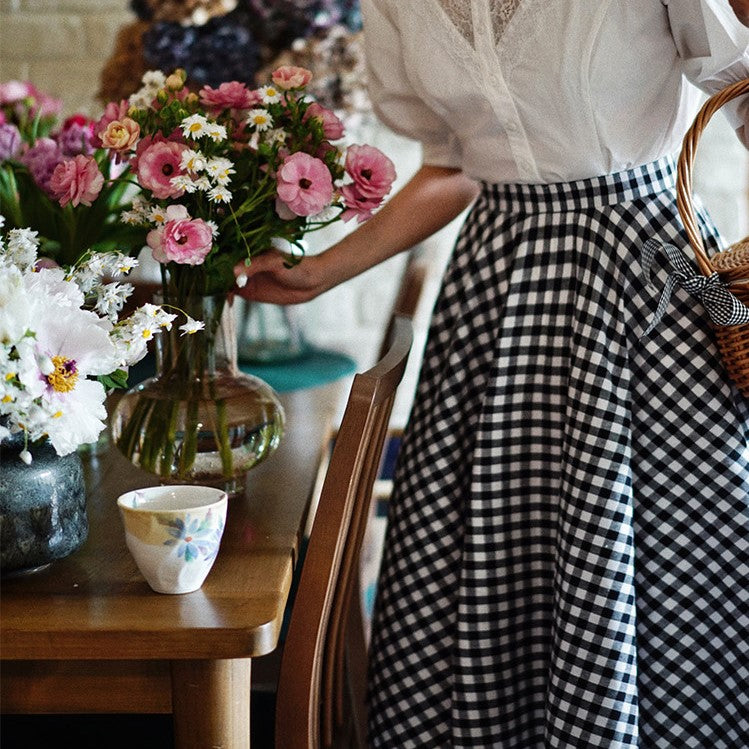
(567, 560)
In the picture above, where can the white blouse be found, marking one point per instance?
(549, 90)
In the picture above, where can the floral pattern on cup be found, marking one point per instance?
(195, 537)
(173, 533)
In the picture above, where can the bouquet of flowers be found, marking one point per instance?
(55, 178)
(224, 174)
(61, 343)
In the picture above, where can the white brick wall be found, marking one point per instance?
(61, 45)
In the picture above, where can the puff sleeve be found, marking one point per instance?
(714, 48)
(394, 99)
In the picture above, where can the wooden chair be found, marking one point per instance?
(317, 705)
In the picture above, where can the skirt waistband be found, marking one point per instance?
(609, 189)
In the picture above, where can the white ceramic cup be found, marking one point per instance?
(173, 533)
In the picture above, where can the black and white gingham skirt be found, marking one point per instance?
(567, 560)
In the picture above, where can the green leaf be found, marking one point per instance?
(114, 380)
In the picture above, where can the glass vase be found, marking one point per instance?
(199, 420)
(270, 334)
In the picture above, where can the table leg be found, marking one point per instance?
(211, 703)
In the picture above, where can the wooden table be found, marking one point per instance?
(87, 635)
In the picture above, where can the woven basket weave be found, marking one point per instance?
(732, 265)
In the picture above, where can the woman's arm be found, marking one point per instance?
(741, 9)
(429, 201)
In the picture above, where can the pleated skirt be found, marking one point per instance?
(567, 555)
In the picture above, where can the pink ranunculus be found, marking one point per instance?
(357, 205)
(332, 127)
(304, 184)
(77, 180)
(120, 135)
(157, 165)
(372, 171)
(181, 239)
(113, 111)
(291, 76)
(229, 95)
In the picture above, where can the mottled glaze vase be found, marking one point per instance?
(42, 507)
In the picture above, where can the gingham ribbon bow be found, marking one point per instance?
(721, 305)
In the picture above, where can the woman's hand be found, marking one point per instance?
(268, 278)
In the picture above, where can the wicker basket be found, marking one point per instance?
(732, 265)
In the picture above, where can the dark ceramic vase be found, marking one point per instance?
(42, 507)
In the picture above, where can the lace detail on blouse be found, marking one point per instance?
(462, 14)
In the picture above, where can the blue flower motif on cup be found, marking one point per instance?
(195, 537)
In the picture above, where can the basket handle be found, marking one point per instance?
(686, 162)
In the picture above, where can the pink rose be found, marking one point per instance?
(291, 76)
(357, 205)
(112, 112)
(120, 135)
(332, 127)
(157, 164)
(373, 172)
(231, 95)
(304, 184)
(181, 239)
(77, 180)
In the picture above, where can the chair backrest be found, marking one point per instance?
(310, 686)
(408, 295)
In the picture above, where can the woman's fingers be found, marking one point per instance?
(268, 278)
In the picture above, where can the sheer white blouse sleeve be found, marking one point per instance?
(394, 98)
(712, 46)
(549, 90)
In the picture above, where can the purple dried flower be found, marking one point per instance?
(41, 160)
(75, 136)
(10, 141)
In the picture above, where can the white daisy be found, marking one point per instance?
(216, 132)
(260, 119)
(219, 169)
(157, 215)
(270, 94)
(183, 182)
(132, 218)
(195, 126)
(219, 194)
(203, 184)
(193, 161)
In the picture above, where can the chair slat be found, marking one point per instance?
(313, 667)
